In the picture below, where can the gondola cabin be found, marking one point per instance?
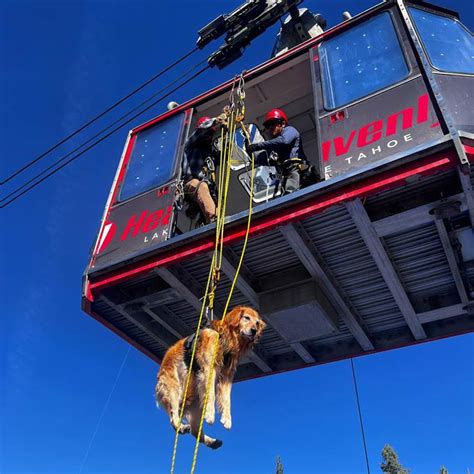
(376, 255)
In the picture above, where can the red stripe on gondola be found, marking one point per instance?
(346, 196)
(377, 183)
(128, 153)
(469, 149)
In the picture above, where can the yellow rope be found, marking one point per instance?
(214, 267)
(216, 345)
(227, 143)
(224, 179)
(188, 378)
(232, 127)
(210, 288)
(247, 230)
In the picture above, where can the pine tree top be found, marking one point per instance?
(391, 465)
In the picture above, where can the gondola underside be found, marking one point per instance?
(370, 272)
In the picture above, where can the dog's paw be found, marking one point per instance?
(184, 429)
(216, 444)
(210, 414)
(210, 417)
(226, 422)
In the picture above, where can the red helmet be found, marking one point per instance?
(202, 120)
(275, 114)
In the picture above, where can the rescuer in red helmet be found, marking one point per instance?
(200, 156)
(284, 150)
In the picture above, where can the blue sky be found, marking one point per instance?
(63, 62)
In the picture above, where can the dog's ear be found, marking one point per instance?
(261, 327)
(233, 318)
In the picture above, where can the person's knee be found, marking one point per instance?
(204, 187)
(191, 186)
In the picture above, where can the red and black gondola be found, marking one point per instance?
(379, 254)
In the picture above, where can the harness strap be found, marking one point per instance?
(189, 341)
(292, 161)
(188, 352)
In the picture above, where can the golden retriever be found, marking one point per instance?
(237, 333)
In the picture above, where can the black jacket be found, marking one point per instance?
(198, 147)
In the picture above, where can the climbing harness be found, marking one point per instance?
(207, 175)
(179, 195)
(234, 116)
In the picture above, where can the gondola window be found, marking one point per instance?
(153, 156)
(449, 44)
(361, 61)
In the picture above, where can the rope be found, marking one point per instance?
(91, 442)
(234, 115)
(188, 378)
(212, 276)
(360, 416)
(234, 281)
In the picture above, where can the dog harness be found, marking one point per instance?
(188, 352)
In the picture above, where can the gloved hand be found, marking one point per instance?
(248, 147)
(273, 158)
(221, 120)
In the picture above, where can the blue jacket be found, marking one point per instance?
(287, 145)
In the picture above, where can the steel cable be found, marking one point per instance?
(90, 122)
(96, 142)
(360, 416)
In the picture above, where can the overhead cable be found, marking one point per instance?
(60, 160)
(104, 409)
(90, 122)
(360, 416)
(100, 139)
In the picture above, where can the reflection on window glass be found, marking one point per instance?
(239, 157)
(449, 45)
(360, 61)
(151, 163)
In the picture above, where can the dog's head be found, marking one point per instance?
(246, 322)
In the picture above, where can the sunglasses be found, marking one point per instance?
(273, 123)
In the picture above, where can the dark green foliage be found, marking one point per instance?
(279, 466)
(391, 465)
